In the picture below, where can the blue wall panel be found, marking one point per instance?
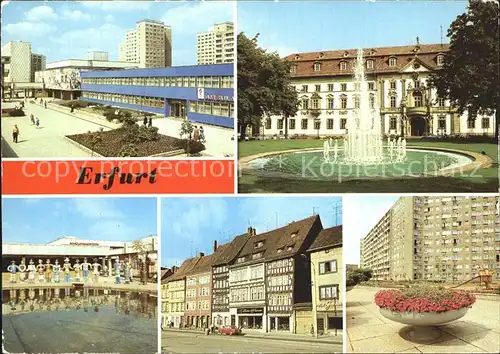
(226, 122)
(173, 71)
(180, 93)
(126, 105)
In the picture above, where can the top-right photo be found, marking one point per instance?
(368, 97)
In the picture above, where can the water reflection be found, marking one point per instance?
(19, 301)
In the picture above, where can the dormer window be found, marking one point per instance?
(290, 248)
(372, 52)
(294, 234)
(240, 260)
(258, 244)
(297, 57)
(317, 66)
(293, 69)
(280, 250)
(343, 65)
(369, 64)
(392, 62)
(440, 60)
(346, 54)
(321, 55)
(257, 255)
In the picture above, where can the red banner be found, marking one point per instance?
(118, 177)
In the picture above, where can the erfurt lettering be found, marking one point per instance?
(88, 176)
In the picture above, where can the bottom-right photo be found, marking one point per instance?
(423, 274)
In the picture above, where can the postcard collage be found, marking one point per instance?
(250, 176)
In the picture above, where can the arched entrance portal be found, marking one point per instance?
(418, 126)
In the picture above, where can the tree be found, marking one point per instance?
(470, 74)
(358, 276)
(263, 85)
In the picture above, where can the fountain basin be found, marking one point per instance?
(310, 164)
(424, 318)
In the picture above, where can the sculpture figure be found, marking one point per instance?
(31, 271)
(13, 269)
(117, 271)
(85, 267)
(48, 271)
(22, 270)
(95, 267)
(40, 268)
(78, 270)
(67, 270)
(56, 269)
(127, 272)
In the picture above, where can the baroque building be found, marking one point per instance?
(399, 90)
(445, 239)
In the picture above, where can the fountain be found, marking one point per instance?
(363, 143)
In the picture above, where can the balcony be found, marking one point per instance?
(416, 111)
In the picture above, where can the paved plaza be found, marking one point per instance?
(178, 342)
(49, 139)
(368, 331)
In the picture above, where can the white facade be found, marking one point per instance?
(98, 55)
(216, 46)
(149, 44)
(19, 68)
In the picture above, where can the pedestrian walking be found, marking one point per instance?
(196, 133)
(15, 133)
(32, 119)
(145, 120)
(37, 123)
(45, 103)
(202, 134)
(150, 123)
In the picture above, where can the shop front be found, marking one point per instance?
(251, 318)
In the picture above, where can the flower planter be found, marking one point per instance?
(424, 318)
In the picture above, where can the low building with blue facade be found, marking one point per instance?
(200, 93)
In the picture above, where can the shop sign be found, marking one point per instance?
(251, 310)
(201, 93)
(84, 243)
(219, 98)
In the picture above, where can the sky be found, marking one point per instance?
(41, 220)
(361, 214)
(307, 26)
(190, 225)
(70, 29)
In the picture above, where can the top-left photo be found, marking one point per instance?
(99, 79)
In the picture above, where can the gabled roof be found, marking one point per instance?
(330, 61)
(232, 250)
(203, 265)
(331, 237)
(283, 242)
(185, 267)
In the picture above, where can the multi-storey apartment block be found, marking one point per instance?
(398, 85)
(217, 45)
(435, 238)
(22, 63)
(149, 44)
(198, 293)
(220, 282)
(326, 274)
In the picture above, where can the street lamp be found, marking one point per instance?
(313, 294)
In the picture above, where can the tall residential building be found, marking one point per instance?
(38, 63)
(149, 44)
(435, 239)
(217, 45)
(19, 67)
(398, 89)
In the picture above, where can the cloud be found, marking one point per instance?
(193, 216)
(40, 13)
(117, 6)
(35, 29)
(199, 16)
(75, 15)
(109, 18)
(96, 208)
(30, 201)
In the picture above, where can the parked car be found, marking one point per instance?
(229, 330)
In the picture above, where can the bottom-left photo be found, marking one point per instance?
(79, 275)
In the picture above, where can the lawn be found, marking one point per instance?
(483, 181)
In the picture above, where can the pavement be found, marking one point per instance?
(49, 140)
(368, 331)
(173, 341)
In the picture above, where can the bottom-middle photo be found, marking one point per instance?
(252, 274)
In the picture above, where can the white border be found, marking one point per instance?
(235, 90)
(158, 270)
